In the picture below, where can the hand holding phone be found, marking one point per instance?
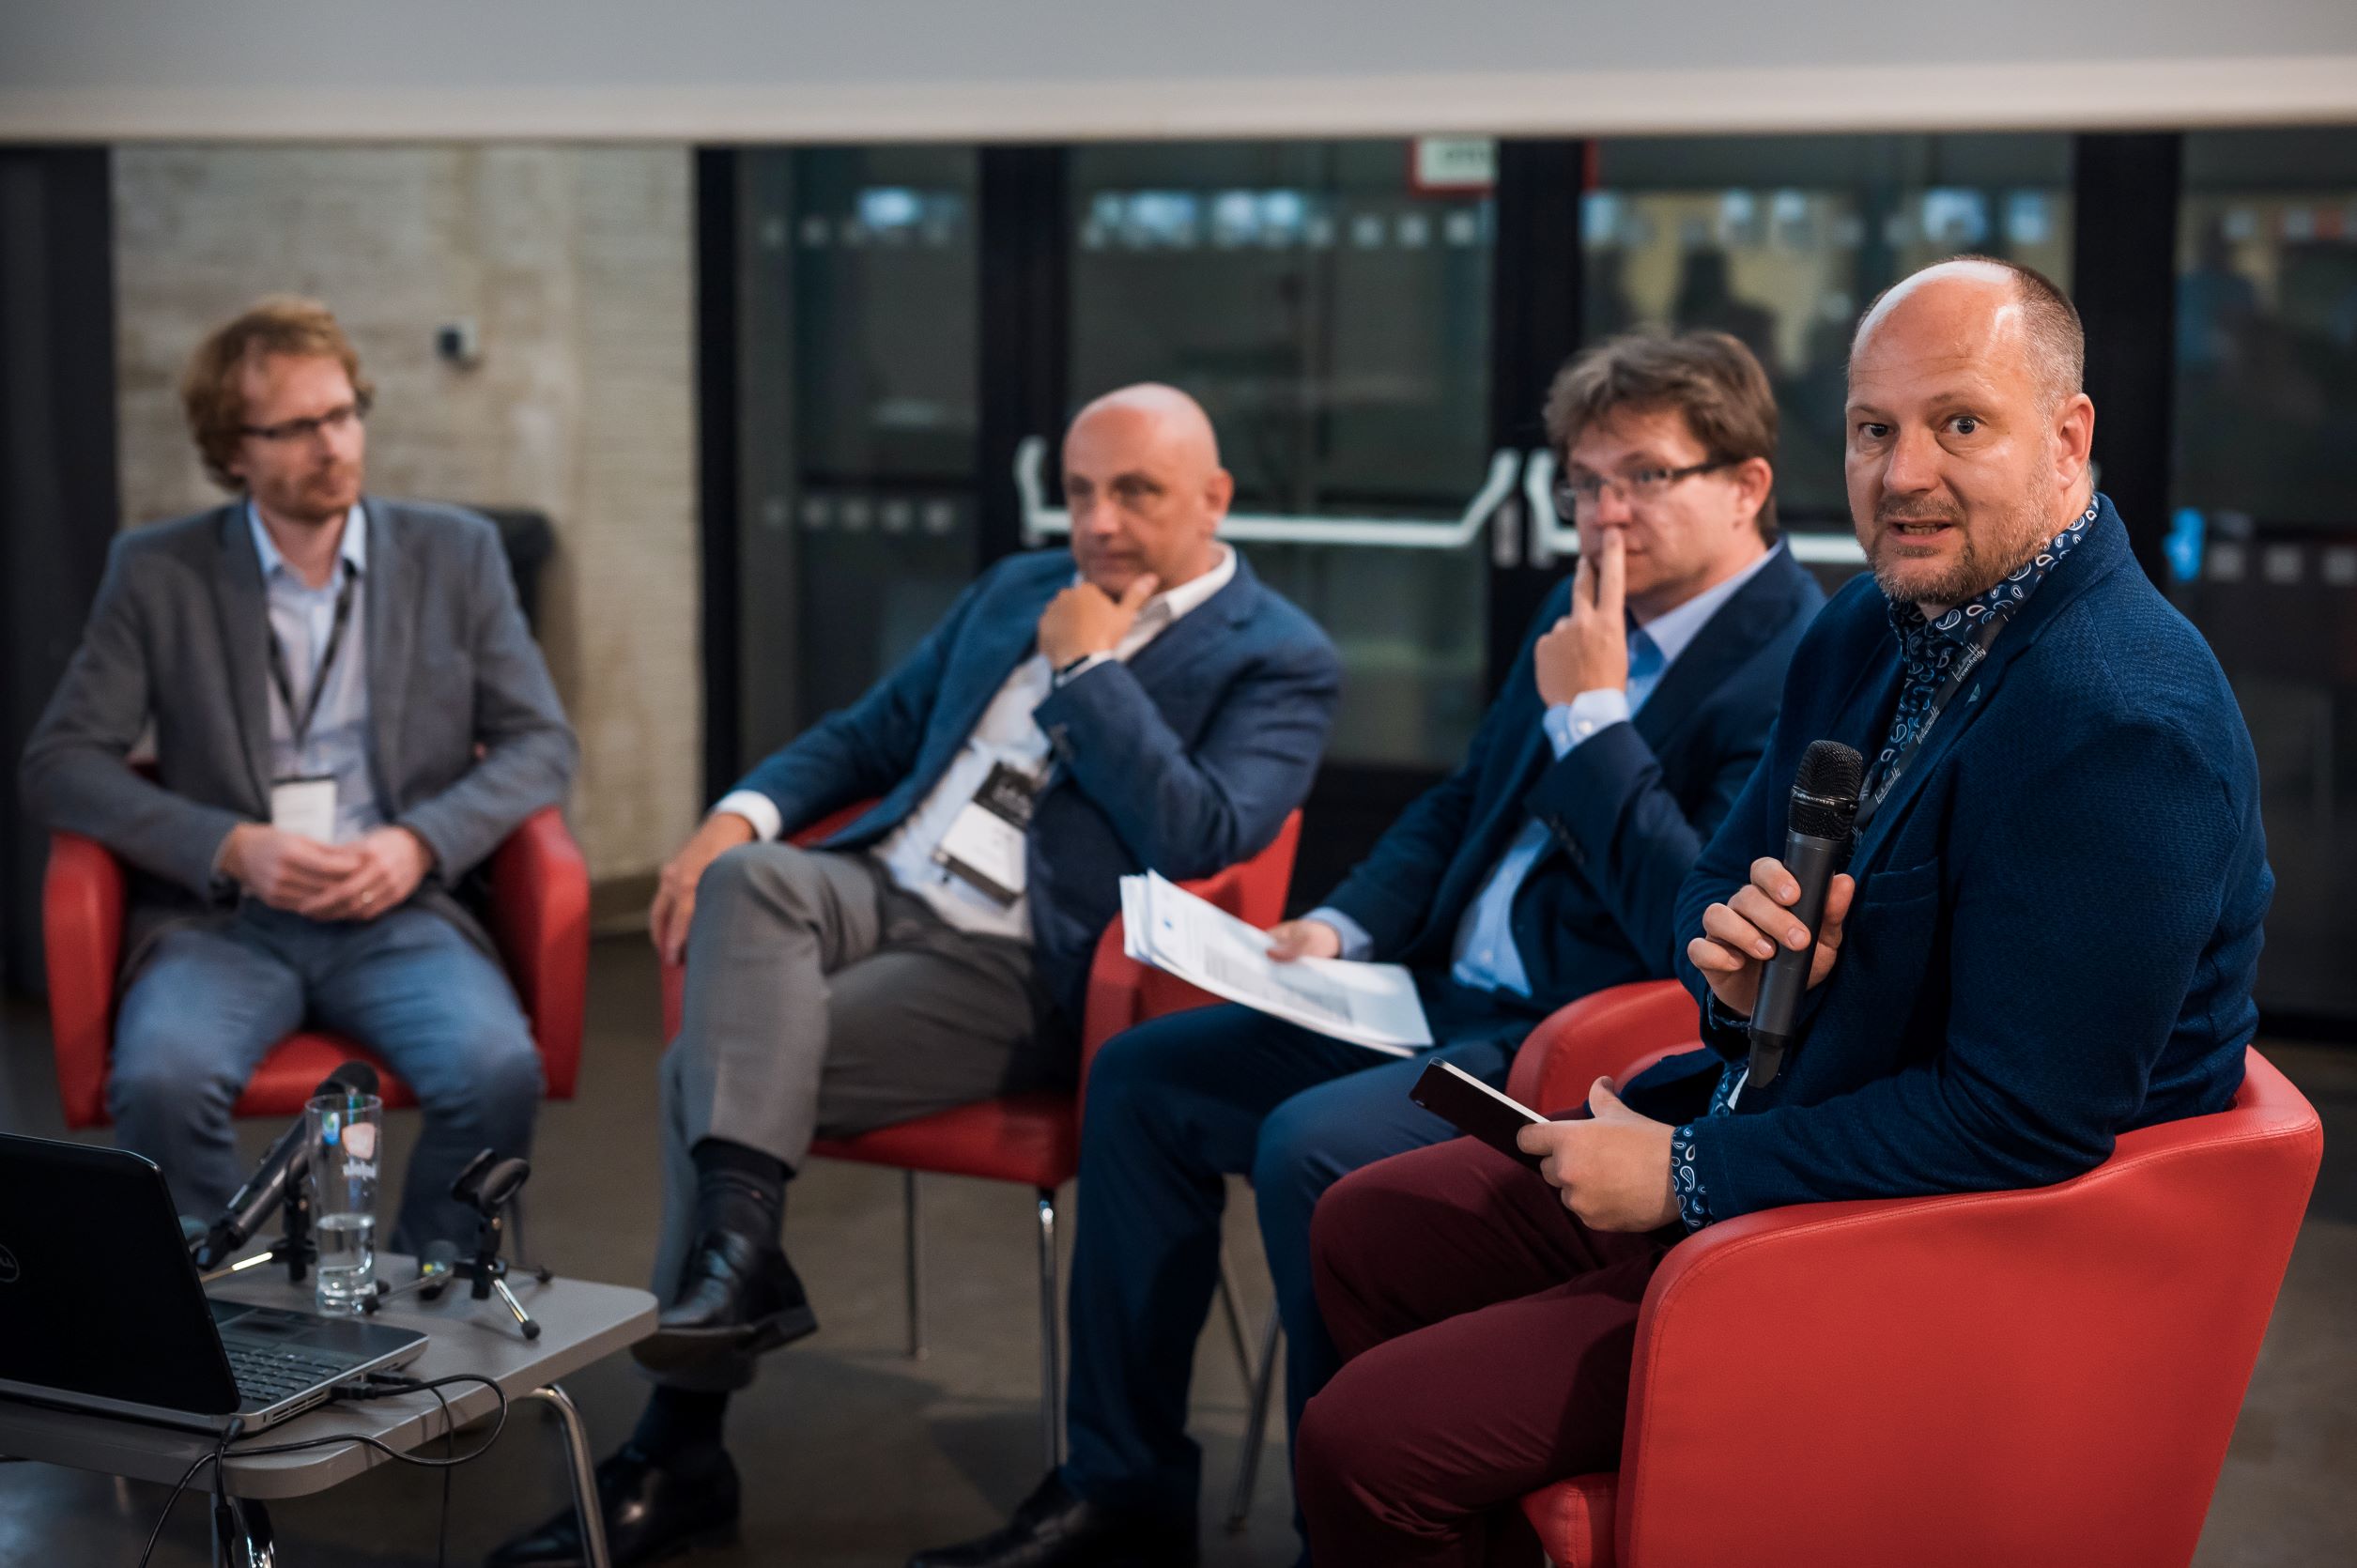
(1472, 1107)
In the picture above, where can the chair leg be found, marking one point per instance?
(1051, 1350)
(915, 1238)
(1264, 1388)
(1232, 1300)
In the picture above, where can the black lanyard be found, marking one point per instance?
(300, 724)
(1967, 660)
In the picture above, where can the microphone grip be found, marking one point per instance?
(1812, 861)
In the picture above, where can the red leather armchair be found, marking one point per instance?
(539, 917)
(1034, 1139)
(2048, 1376)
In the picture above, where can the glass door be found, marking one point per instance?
(1328, 304)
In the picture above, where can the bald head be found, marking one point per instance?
(1142, 480)
(2017, 308)
(1968, 435)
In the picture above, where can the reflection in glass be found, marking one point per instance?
(1781, 241)
(860, 419)
(1334, 323)
(2262, 549)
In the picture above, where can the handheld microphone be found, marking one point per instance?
(1816, 844)
(282, 1169)
(436, 1268)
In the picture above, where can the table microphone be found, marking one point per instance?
(281, 1168)
(1816, 845)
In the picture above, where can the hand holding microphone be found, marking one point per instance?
(1779, 934)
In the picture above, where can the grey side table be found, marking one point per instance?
(581, 1323)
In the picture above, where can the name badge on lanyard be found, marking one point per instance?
(305, 805)
(984, 846)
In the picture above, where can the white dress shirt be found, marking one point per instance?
(1005, 733)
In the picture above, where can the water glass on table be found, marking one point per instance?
(346, 1132)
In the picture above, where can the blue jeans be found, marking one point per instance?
(211, 1002)
(1174, 1106)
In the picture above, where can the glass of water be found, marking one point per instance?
(346, 1140)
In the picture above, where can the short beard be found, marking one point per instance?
(2018, 533)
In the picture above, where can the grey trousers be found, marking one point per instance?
(823, 1001)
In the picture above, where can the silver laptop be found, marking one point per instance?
(100, 1308)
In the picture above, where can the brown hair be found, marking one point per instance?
(1707, 377)
(212, 391)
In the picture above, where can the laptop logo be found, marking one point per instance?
(9, 1272)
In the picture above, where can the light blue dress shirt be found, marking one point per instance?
(336, 746)
(1484, 956)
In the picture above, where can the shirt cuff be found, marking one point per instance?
(1356, 945)
(1686, 1180)
(1570, 723)
(755, 807)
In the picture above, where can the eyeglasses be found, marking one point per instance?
(336, 420)
(1643, 485)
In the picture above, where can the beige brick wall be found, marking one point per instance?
(576, 266)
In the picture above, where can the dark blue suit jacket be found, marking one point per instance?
(1186, 759)
(2057, 914)
(1629, 808)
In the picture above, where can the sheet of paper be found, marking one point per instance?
(1373, 1005)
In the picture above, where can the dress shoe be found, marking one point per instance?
(1054, 1529)
(738, 1296)
(653, 1511)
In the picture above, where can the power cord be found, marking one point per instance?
(378, 1386)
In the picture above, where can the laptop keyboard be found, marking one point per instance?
(266, 1375)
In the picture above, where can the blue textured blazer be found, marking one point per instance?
(1186, 759)
(2057, 914)
(1629, 808)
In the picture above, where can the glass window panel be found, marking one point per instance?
(2262, 551)
(1781, 240)
(861, 416)
(1335, 322)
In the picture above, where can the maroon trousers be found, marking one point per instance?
(1487, 1336)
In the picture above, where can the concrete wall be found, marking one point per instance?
(576, 266)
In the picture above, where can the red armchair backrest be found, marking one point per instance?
(1618, 1030)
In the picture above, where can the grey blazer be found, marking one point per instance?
(179, 638)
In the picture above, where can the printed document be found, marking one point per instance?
(1373, 1005)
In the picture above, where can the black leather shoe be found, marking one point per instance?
(1054, 1529)
(652, 1512)
(738, 1296)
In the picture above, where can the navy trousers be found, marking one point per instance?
(1174, 1106)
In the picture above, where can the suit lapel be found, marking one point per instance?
(1727, 641)
(237, 598)
(1179, 644)
(388, 637)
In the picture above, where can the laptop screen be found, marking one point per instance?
(97, 1297)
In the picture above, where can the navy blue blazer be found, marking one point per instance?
(1186, 759)
(1628, 809)
(2058, 913)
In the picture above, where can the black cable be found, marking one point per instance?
(450, 1447)
(383, 1387)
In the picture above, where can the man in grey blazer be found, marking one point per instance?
(348, 715)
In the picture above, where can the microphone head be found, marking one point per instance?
(1824, 790)
(441, 1256)
(356, 1078)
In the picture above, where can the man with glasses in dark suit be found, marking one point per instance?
(1542, 870)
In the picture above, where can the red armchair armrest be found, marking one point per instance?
(1618, 1030)
(81, 938)
(540, 895)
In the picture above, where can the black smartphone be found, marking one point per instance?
(1471, 1106)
